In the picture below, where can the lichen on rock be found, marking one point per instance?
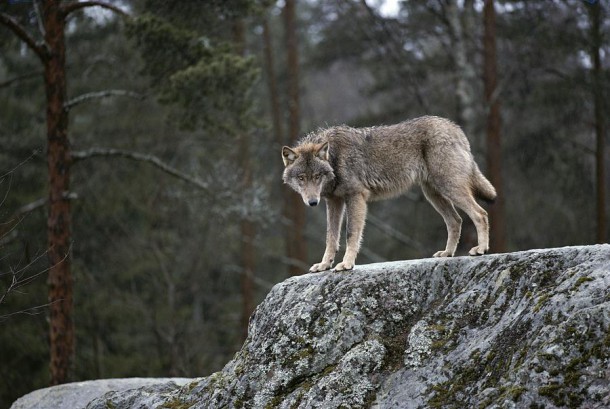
(419, 345)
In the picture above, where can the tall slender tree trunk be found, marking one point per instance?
(497, 219)
(274, 100)
(58, 225)
(461, 25)
(248, 231)
(52, 53)
(294, 208)
(598, 100)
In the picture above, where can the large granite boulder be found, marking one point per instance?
(528, 329)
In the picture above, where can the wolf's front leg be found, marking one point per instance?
(335, 208)
(356, 216)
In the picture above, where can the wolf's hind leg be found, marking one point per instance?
(465, 200)
(335, 208)
(450, 216)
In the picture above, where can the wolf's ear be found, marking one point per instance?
(322, 153)
(288, 155)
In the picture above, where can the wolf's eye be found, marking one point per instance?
(301, 178)
(316, 176)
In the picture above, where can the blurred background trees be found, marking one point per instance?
(179, 221)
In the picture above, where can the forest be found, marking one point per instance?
(142, 211)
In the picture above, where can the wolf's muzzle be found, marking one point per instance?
(312, 202)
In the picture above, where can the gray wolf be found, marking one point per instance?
(349, 167)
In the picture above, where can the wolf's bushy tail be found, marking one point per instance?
(483, 189)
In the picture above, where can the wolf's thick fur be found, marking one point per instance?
(351, 166)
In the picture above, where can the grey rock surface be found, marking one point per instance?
(527, 329)
(79, 394)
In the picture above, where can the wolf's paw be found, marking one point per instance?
(478, 250)
(443, 253)
(320, 267)
(344, 265)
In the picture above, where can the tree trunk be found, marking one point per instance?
(247, 285)
(248, 232)
(294, 208)
(494, 147)
(58, 224)
(460, 24)
(274, 100)
(598, 100)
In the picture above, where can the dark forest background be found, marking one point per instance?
(172, 222)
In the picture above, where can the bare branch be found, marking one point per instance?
(20, 78)
(9, 289)
(393, 233)
(39, 18)
(72, 7)
(10, 182)
(23, 209)
(153, 160)
(102, 94)
(12, 24)
(34, 153)
(29, 311)
(261, 282)
(18, 280)
(30, 207)
(19, 276)
(16, 218)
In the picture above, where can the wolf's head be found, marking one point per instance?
(307, 169)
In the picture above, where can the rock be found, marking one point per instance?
(79, 394)
(527, 329)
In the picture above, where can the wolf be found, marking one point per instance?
(349, 167)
